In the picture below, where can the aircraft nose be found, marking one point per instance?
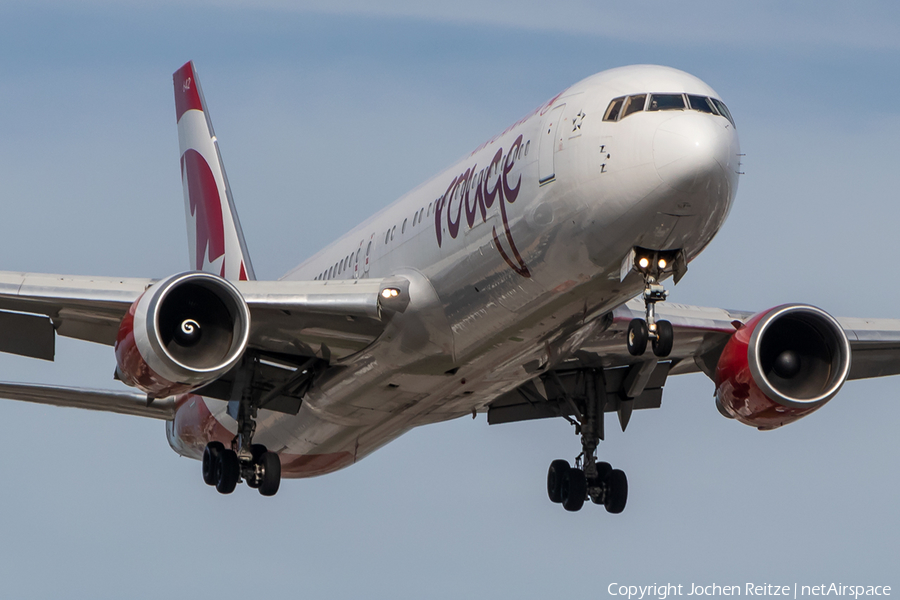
(691, 148)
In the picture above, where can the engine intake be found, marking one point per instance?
(182, 333)
(782, 365)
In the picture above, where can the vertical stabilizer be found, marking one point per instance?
(215, 240)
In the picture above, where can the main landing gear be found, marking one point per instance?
(651, 265)
(225, 467)
(573, 485)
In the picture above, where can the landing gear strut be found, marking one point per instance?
(587, 479)
(651, 265)
(225, 467)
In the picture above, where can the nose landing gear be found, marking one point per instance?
(652, 265)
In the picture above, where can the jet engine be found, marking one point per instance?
(182, 333)
(782, 365)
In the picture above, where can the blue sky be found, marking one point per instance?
(326, 113)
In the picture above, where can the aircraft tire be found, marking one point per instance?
(617, 496)
(636, 337)
(271, 479)
(574, 489)
(665, 339)
(228, 471)
(210, 457)
(555, 476)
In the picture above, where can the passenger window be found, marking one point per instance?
(612, 111)
(330, 270)
(527, 146)
(403, 229)
(666, 102)
(723, 110)
(387, 236)
(392, 232)
(633, 104)
(702, 104)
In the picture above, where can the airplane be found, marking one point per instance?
(526, 281)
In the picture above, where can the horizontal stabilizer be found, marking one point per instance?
(123, 403)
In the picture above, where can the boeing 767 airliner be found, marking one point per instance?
(526, 281)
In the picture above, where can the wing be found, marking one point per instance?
(701, 334)
(292, 325)
(287, 317)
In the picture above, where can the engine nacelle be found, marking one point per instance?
(782, 365)
(182, 333)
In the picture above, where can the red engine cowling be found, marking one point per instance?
(182, 333)
(782, 365)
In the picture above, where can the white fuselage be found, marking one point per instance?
(513, 254)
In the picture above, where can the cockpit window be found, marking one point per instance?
(702, 104)
(621, 107)
(666, 102)
(633, 104)
(612, 112)
(723, 110)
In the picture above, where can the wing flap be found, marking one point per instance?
(27, 335)
(875, 344)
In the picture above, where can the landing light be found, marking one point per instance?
(662, 263)
(390, 293)
(644, 262)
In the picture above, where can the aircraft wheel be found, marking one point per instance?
(228, 471)
(271, 474)
(257, 450)
(574, 488)
(555, 476)
(210, 458)
(665, 338)
(636, 338)
(617, 494)
(603, 471)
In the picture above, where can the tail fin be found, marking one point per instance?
(215, 239)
